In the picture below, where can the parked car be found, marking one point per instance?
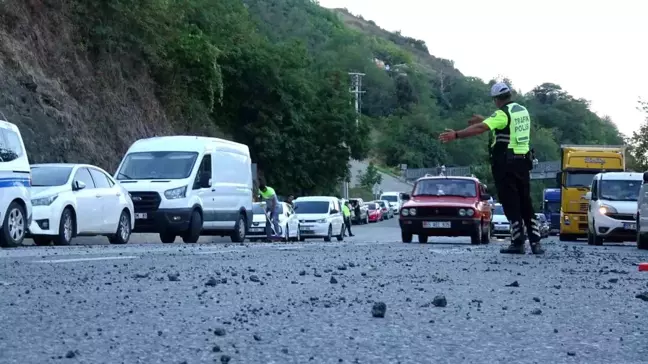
(78, 199)
(288, 223)
(375, 212)
(15, 193)
(189, 186)
(360, 211)
(446, 206)
(387, 211)
(612, 205)
(320, 217)
(543, 224)
(395, 200)
(642, 215)
(500, 226)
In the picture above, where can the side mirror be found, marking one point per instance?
(588, 195)
(559, 179)
(334, 211)
(485, 197)
(78, 185)
(205, 180)
(645, 177)
(405, 197)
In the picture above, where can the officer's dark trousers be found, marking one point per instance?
(513, 183)
(347, 222)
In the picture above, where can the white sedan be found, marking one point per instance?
(77, 199)
(288, 223)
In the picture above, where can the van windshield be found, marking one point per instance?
(312, 207)
(620, 190)
(157, 165)
(390, 198)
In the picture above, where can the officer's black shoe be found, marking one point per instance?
(514, 248)
(536, 248)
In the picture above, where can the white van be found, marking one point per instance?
(189, 186)
(319, 217)
(612, 207)
(15, 182)
(395, 200)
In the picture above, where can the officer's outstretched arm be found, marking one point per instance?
(472, 130)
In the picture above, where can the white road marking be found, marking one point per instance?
(83, 259)
(219, 251)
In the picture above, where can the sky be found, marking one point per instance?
(596, 50)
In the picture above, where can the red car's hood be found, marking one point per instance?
(441, 201)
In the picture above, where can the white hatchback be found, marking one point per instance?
(319, 217)
(77, 199)
(288, 222)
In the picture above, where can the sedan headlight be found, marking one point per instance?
(470, 212)
(405, 212)
(44, 201)
(412, 211)
(605, 209)
(176, 193)
(462, 212)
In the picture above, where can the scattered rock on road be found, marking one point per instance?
(440, 301)
(378, 310)
(642, 296)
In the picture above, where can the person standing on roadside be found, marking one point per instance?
(347, 216)
(511, 161)
(290, 200)
(269, 196)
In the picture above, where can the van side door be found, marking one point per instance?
(205, 193)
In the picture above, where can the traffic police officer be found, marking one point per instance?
(268, 195)
(512, 161)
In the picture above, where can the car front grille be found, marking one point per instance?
(145, 201)
(437, 211)
(624, 217)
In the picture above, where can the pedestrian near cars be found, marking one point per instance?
(268, 195)
(346, 210)
(512, 162)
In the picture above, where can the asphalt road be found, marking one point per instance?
(312, 303)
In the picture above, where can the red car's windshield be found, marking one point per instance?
(445, 187)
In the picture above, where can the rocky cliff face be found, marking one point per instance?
(69, 108)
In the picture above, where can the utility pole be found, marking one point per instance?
(356, 90)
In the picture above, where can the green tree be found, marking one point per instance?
(370, 177)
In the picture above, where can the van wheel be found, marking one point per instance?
(330, 234)
(66, 228)
(195, 227)
(13, 226)
(642, 241)
(42, 240)
(123, 230)
(238, 235)
(167, 238)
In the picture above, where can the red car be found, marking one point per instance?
(375, 212)
(446, 206)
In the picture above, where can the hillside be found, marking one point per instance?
(84, 79)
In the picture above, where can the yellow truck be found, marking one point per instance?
(579, 165)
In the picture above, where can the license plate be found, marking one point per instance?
(437, 224)
(630, 226)
(501, 227)
(256, 230)
(306, 227)
(141, 215)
